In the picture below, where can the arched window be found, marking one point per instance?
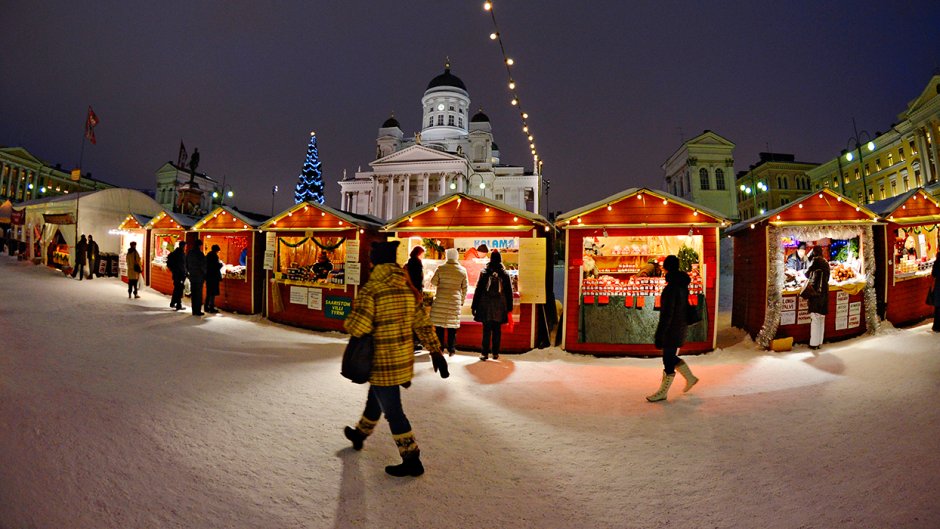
(431, 121)
(703, 178)
(719, 179)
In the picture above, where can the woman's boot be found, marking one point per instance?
(663, 388)
(690, 379)
(410, 457)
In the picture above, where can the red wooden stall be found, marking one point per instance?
(613, 277)
(766, 288)
(315, 258)
(166, 230)
(468, 223)
(241, 252)
(905, 249)
(133, 228)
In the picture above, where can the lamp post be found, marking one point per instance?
(849, 156)
(273, 192)
(758, 186)
(221, 196)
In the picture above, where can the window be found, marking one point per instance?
(878, 164)
(451, 108)
(719, 179)
(431, 121)
(913, 150)
(894, 187)
(917, 175)
(883, 191)
(860, 197)
(867, 170)
(786, 183)
(825, 184)
(835, 183)
(703, 178)
(440, 120)
(450, 121)
(460, 122)
(901, 154)
(856, 173)
(906, 182)
(890, 159)
(871, 195)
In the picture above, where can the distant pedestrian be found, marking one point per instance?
(817, 296)
(134, 270)
(213, 278)
(492, 304)
(450, 279)
(176, 262)
(81, 255)
(386, 308)
(671, 329)
(415, 275)
(935, 272)
(93, 254)
(196, 269)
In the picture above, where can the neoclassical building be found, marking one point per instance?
(890, 163)
(702, 171)
(24, 177)
(172, 179)
(454, 152)
(776, 179)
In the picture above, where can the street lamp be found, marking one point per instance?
(758, 186)
(221, 196)
(273, 192)
(849, 156)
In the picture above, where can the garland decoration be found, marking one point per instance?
(432, 245)
(328, 247)
(289, 245)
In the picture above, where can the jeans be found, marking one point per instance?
(670, 359)
(492, 332)
(451, 337)
(817, 328)
(387, 400)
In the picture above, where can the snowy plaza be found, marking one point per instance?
(123, 413)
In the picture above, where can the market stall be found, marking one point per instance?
(768, 276)
(475, 226)
(132, 228)
(905, 250)
(613, 279)
(315, 258)
(166, 230)
(241, 252)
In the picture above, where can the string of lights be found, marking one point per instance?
(515, 101)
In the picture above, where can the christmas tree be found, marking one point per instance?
(310, 182)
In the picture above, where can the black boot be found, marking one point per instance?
(354, 435)
(410, 466)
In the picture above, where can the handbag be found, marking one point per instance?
(808, 291)
(692, 315)
(357, 358)
(137, 268)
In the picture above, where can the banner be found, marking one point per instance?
(58, 218)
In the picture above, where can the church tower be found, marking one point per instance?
(446, 103)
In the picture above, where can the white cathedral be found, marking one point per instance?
(453, 153)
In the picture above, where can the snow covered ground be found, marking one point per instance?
(124, 414)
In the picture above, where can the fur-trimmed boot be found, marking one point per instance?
(663, 388)
(410, 457)
(690, 379)
(358, 434)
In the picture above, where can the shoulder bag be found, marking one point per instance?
(357, 359)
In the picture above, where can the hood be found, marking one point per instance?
(680, 279)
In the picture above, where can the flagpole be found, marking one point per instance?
(78, 195)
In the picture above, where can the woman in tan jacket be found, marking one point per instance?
(134, 270)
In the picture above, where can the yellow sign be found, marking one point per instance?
(76, 175)
(532, 270)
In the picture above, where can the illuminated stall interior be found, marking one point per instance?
(131, 229)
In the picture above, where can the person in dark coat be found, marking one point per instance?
(196, 268)
(935, 272)
(817, 275)
(81, 254)
(93, 254)
(176, 262)
(671, 329)
(213, 277)
(492, 304)
(415, 268)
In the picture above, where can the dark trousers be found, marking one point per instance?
(132, 286)
(210, 301)
(92, 267)
(178, 286)
(451, 337)
(670, 359)
(387, 400)
(492, 332)
(79, 270)
(195, 295)
(936, 319)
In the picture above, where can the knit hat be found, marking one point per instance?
(671, 263)
(216, 247)
(495, 258)
(384, 252)
(451, 254)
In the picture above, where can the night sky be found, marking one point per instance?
(612, 88)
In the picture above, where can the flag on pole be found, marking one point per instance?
(90, 122)
(183, 157)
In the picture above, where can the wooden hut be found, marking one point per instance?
(132, 228)
(166, 230)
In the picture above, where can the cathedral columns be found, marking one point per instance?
(935, 167)
(442, 189)
(406, 194)
(921, 143)
(426, 192)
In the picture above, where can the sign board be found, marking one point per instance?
(336, 307)
(270, 241)
(788, 317)
(315, 299)
(352, 252)
(492, 243)
(854, 320)
(353, 273)
(803, 303)
(298, 295)
(532, 270)
(802, 317)
(76, 175)
(788, 303)
(268, 260)
(855, 308)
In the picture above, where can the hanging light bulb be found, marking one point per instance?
(487, 6)
(609, 207)
(525, 115)
(512, 85)
(509, 61)
(525, 128)
(514, 101)
(493, 36)
(530, 137)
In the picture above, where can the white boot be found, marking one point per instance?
(663, 388)
(690, 379)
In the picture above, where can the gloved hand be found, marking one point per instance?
(440, 364)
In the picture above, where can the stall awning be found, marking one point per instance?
(912, 207)
(169, 220)
(819, 207)
(318, 217)
(224, 218)
(460, 212)
(641, 207)
(58, 218)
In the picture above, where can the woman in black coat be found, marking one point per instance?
(936, 294)
(818, 298)
(492, 304)
(213, 278)
(670, 332)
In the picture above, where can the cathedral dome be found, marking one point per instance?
(391, 122)
(480, 117)
(447, 79)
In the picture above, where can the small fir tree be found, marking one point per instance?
(310, 182)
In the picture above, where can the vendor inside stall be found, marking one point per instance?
(915, 251)
(233, 253)
(314, 261)
(846, 266)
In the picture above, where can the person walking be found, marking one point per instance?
(935, 272)
(93, 254)
(414, 267)
(196, 268)
(670, 331)
(492, 304)
(386, 308)
(176, 262)
(817, 296)
(213, 278)
(450, 280)
(81, 255)
(134, 269)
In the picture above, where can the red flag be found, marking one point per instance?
(90, 122)
(183, 157)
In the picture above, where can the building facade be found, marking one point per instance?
(173, 185)
(775, 180)
(890, 163)
(453, 153)
(24, 177)
(702, 171)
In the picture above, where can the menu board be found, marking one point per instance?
(532, 270)
(842, 310)
(352, 252)
(298, 295)
(315, 298)
(353, 273)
